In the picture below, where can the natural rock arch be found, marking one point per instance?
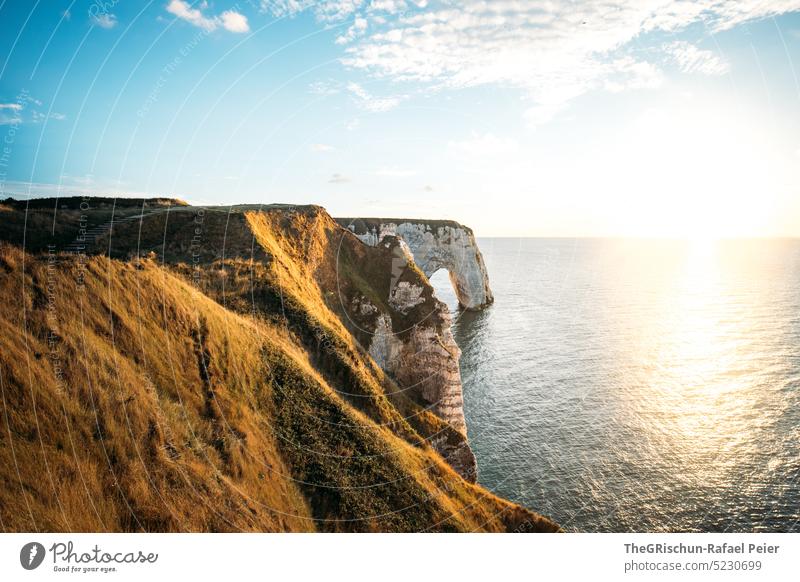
(435, 244)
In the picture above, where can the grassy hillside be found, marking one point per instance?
(37, 223)
(221, 394)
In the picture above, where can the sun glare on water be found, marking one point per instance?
(705, 384)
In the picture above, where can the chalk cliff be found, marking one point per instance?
(417, 349)
(425, 357)
(434, 244)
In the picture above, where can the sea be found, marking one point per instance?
(621, 385)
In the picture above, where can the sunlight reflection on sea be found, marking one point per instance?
(632, 385)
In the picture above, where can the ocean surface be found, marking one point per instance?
(631, 385)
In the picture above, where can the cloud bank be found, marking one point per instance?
(553, 51)
(230, 20)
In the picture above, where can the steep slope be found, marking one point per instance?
(214, 386)
(123, 410)
(340, 297)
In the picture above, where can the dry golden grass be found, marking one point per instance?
(134, 400)
(126, 409)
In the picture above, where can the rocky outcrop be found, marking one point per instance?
(424, 358)
(435, 244)
(418, 350)
(427, 364)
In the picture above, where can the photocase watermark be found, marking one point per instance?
(51, 291)
(51, 316)
(83, 224)
(168, 70)
(65, 558)
(31, 555)
(100, 8)
(196, 245)
(12, 125)
(80, 251)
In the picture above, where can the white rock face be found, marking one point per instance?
(428, 361)
(425, 358)
(443, 246)
(427, 364)
(385, 348)
(405, 296)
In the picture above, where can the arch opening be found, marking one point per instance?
(443, 288)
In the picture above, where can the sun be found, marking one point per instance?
(705, 174)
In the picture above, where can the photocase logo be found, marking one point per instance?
(31, 555)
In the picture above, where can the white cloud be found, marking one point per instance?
(338, 179)
(719, 15)
(367, 101)
(390, 6)
(581, 15)
(193, 16)
(553, 51)
(234, 22)
(628, 73)
(230, 20)
(326, 10)
(11, 113)
(357, 90)
(324, 88)
(691, 59)
(356, 30)
(106, 20)
(321, 147)
(83, 180)
(12, 119)
(285, 7)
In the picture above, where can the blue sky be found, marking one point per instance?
(538, 118)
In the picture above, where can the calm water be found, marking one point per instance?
(638, 385)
